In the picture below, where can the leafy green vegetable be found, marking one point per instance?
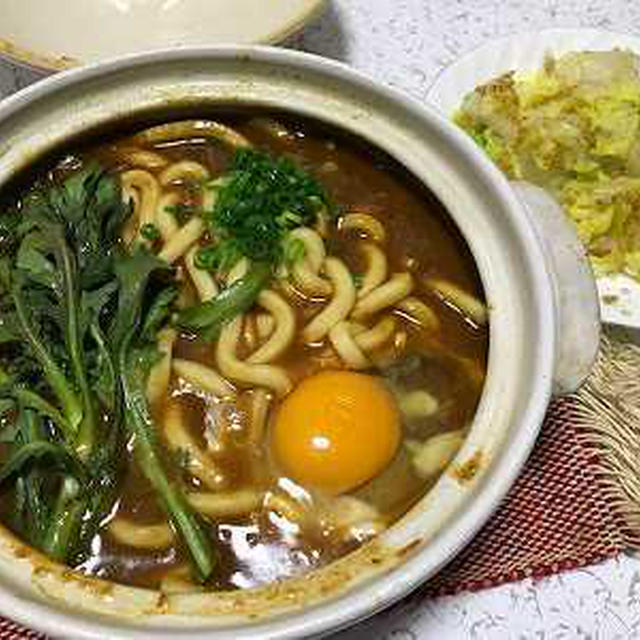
(53, 287)
(209, 317)
(134, 366)
(219, 257)
(35, 450)
(53, 373)
(134, 331)
(31, 400)
(77, 340)
(31, 515)
(258, 202)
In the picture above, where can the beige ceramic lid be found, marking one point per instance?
(55, 34)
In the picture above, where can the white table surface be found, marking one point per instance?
(406, 43)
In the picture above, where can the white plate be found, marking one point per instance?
(55, 34)
(619, 294)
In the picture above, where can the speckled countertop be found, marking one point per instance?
(406, 43)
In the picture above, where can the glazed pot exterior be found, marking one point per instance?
(521, 292)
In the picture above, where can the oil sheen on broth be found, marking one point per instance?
(296, 440)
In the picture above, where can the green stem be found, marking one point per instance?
(33, 514)
(106, 464)
(72, 408)
(208, 318)
(87, 428)
(31, 400)
(140, 424)
(65, 521)
(114, 400)
(33, 426)
(33, 450)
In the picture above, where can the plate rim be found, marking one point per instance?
(549, 35)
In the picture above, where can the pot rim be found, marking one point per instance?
(365, 599)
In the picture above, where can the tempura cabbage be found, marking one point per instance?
(573, 128)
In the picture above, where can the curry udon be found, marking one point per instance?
(235, 350)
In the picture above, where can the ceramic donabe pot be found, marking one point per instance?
(543, 332)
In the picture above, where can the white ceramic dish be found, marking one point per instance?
(524, 52)
(538, 298)
(86, 32)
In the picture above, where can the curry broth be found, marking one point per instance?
(259, 548)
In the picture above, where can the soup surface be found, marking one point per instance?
(290, 388)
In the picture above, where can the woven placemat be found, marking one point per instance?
(577, 500)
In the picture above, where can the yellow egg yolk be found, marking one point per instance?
(336, 431)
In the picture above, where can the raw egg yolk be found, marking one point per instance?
(336, 431)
